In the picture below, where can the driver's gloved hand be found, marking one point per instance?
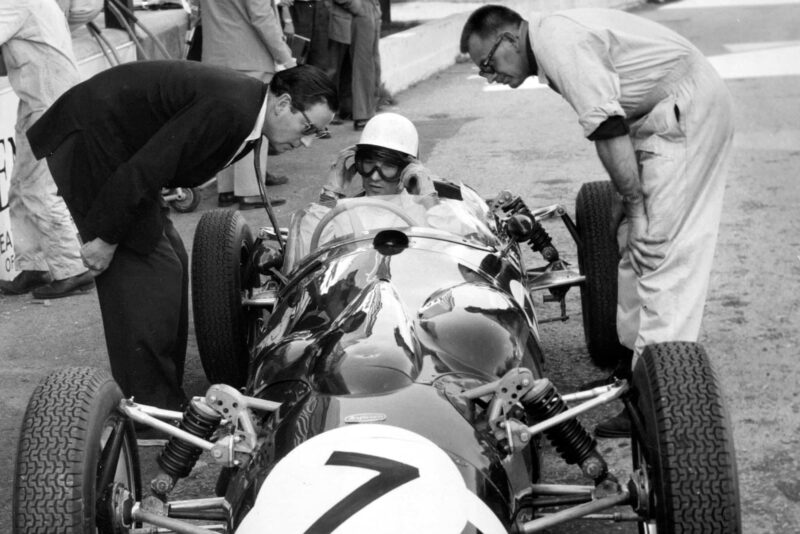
(418, 180)
(342, 171)
(340, 175)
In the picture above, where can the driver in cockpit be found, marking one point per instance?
(386, 159)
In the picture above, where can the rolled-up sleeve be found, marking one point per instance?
(577, 63)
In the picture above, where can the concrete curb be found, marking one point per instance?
(413, 55)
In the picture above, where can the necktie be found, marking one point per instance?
(248, 146)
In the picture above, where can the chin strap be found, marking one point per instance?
(263, 192)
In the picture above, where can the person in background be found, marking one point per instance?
(310, 19)
(114, 141)
(36, 47)
(285, 14)
(365, 59)
(245, 35)
(340, 35)
(661, 119)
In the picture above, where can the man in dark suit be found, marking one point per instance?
(113, 141)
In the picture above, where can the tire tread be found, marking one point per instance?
(599, 259)
(694, 441)
(216, 304)
(48, 481)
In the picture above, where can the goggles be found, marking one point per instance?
(388, 164)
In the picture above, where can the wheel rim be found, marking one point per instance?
(247, 275)
(640, 465)
(116, 467)
(187, 202)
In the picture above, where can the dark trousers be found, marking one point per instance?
(341, 74)
(143, 299)
(311, 21)
(144, 304)
(366, 60)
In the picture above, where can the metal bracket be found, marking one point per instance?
(234, 406)
(511, 387)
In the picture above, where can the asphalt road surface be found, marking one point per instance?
(529, 141)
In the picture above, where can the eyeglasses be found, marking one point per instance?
(311, 129)
(485, 67)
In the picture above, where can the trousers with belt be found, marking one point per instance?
(682, 145)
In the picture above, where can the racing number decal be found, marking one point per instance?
(392, 474)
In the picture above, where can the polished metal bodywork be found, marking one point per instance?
(359, 333)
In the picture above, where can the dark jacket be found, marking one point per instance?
(341, 19)
(140, 127)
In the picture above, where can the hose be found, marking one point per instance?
(119, 8)
(263, 192)
(97, 33)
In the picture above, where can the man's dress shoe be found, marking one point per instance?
(24, 282)
(64, 288)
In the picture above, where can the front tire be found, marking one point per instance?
(686, 456)
(598, 258)
(221, 276)
(66, 445)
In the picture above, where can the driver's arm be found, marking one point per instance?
(339, 177)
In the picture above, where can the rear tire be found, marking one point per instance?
(598, 258)
(221, 278)
(70, 419)
(687, 453)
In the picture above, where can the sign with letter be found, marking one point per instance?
(8, 112)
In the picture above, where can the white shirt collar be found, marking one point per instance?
(255, 133)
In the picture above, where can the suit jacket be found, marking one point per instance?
(339, 25)
(136, 128)
(244, 35)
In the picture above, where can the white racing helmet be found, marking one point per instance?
(393, 132)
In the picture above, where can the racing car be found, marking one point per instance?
(377, 366)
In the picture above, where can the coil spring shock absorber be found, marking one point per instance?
(570, 439)
(178, 457)
(541, 242)
(524, 226)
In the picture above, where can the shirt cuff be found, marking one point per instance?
(612, 127)
(591, 119)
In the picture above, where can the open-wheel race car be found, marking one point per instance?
(376, 367)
